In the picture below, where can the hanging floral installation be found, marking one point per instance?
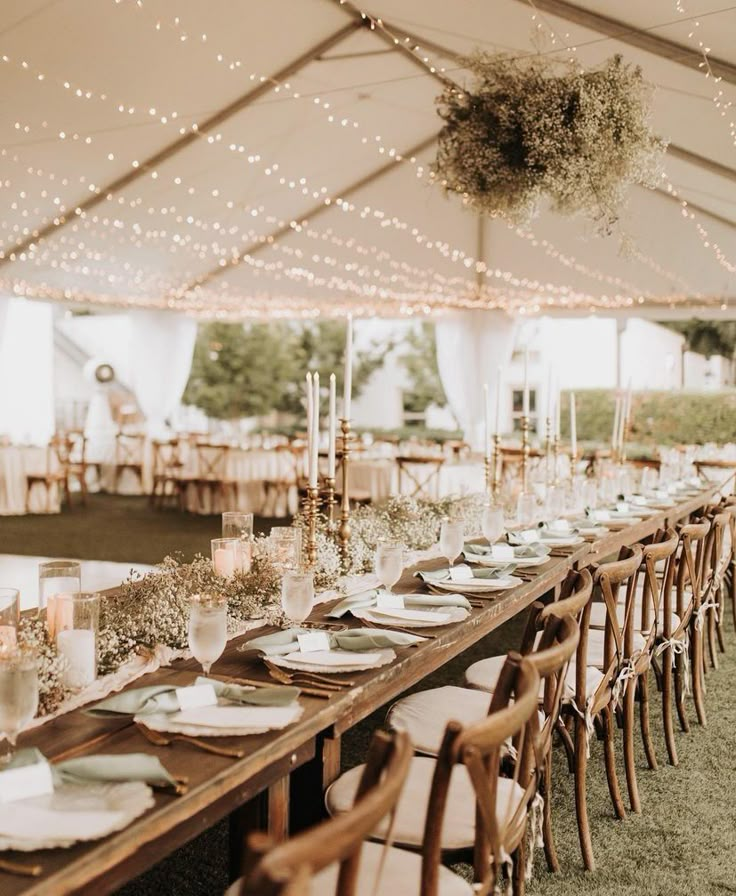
(534, 129)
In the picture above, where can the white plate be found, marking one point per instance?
(593, 531)
(517, 561)
(563, 541)
(229, 720)
(382, 656)
(477, 586)
(410, 618)
(73, 813)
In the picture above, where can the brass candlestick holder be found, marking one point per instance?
(556, 459)
(311, 509)
(524, 453)
(548, 452)
(330, 501)
(487, 472)
(343, 530)
(496, 467)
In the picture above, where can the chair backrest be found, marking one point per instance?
(211, 460)
(166, 459)
(480, 747)
(690, 567)
(662, 549)
(129, 448)
(285, 868)
(77, 446)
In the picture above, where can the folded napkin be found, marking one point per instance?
(284, 642)
(367, 600)
(100, 767)
(162, 698)
(433, 576)
(524, 537)
(521, 551)
(551, 532)
(238, 716)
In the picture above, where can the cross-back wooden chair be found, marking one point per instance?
(331, 857)
(211, 479)
(129, 450)
(55, 473)
(290, 475)
(729, 503)
(168, 479)
(718, 558)
(422, 472)
(77, 461)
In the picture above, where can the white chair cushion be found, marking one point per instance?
(483, 676)
(596, 638)
(598, 616)
(458, 828)
(425, 715)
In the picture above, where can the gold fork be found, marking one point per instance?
(163, 740)
(315, 677)
(22, 870)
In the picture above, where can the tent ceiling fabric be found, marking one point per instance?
(304, 201)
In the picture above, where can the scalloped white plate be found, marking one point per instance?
(384, 656)
(73, 813)
(448, 615)
(477, 586)
(229, 720)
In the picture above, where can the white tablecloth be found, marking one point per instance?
(379, 478)
(16, 463)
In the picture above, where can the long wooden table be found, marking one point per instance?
(220, 787)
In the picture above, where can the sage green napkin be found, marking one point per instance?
(368, 600)
(101, 767)
(162, 698)
(443, 575)
(521, 551)
(283, 642)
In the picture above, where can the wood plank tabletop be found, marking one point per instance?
(218, 786)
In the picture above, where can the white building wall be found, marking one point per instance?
(651, 356)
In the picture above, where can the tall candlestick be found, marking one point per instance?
(347, 392)
(498, 401)
(314, 443)
(616, 415)
(550, 395)
(486, 422)
(310, 409)
(573, 429)
(525, 405)
(558, 410)
(332, 430)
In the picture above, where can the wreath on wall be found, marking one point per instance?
(528, 131)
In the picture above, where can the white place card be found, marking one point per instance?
(639, 501)
(600, 516)
(622, 506)
(25, 782)
(462, 573)
(559, 526)
(528, 536)
(195, 696)
(502, 552)
(662, 494)
(386, 601)
(313, 641)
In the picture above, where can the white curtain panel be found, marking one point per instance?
(471, 346)
(26, 371)
(161, 349)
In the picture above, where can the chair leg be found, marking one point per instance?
(609, 752)
(697, 673)
(629, 759)
(567, 744)
(518, 875)
(712, 651)
(669, 731)
(732, 591)
(680, 691)
(581, 795)
(719, 621)
(550, 851)
(646, 735)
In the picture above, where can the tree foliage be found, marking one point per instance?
(253, 369)
(707, 337)
(420, 363)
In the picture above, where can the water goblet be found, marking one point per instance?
(18, 693)
(526, 509)
(207, 628)
(9, 617)
(452, 538)
(297, 595)
(389, 564)
(492, 522)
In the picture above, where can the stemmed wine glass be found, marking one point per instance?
(207, 628)
(297, 595)
(389, 564)
(9, 617)
(18, 693)
(452, 538)
(492, 522)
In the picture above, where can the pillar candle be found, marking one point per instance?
(224, 562)
(347, 392)
(8, 637)
(77, 647)
(333, 430)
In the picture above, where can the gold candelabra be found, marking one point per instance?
(556, 459)
(330, 501)
(496, 467)
(343, 530)
(524, 453)
(487, 472)
(311, 509)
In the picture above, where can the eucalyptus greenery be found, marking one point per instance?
(532, 128)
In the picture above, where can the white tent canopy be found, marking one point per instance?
(271, 158)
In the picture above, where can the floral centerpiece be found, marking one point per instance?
(535, 127)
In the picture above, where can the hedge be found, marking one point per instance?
(657, 418)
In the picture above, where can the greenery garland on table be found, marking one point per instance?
(153, 610)
(535, 127)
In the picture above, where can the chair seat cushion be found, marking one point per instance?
(458, 829)
(483, 676)
(425, 715)
(596, 638)
(598, 617)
